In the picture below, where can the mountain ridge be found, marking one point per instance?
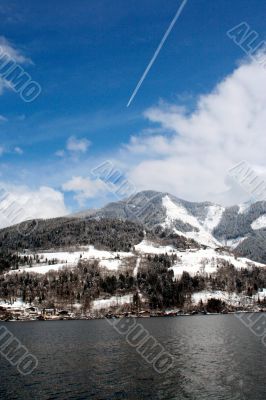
(242, 228)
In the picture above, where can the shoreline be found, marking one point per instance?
(137, 317)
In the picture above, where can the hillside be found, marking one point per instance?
(104, 233)
(240, 227)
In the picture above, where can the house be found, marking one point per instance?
(31, 309)
(49, 311)
(144, 314)
(17, 311)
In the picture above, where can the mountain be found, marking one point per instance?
(156, 209)
(241, 227)
(152, 250)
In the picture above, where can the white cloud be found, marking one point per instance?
(85, 188)
(78, 145)
(21, 203)
(18, 150)
(192, 158)
(10, 51)
(74, 146)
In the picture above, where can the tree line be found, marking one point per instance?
(154, 280)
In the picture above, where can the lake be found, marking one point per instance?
(215, 357)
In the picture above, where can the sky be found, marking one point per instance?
(199, 112)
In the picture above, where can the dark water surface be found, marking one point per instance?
(216, 357)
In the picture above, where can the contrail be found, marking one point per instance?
(165, 36)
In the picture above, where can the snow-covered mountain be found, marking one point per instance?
(241, 227)
(150, 231)
(163, 210)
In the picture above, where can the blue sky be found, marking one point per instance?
(88, 57)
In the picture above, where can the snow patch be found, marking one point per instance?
(204, 238)
(229, 298)
(18, 303)
(232, 299)
(40, 269)
(114, 301)
(243, 207)
(147, 247)
(233, 243)
(135, 271)
(178, 212)
(61, 259)
(259, 223)
(205, 261)
(111, 264)
(213, 217)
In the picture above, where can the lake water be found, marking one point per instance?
(216, 357)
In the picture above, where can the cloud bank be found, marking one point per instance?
(192, 158)
(20, 203)
(85, 188)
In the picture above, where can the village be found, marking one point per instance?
(19, 311)
(31, 313)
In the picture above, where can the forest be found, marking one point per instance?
(154, 280)
(114, 235)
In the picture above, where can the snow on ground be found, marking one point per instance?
(89, 253)
(114, 301)
(135, 271)
(111, 264)
(234, 242)
(259, 223)
(260, 295)
(178, 212)
(230, 298)
(41, 269)
(18, 303)
(213, 217)
(195, 262)
(233, 299)
(108, 259)
(205, 261)
(243, 207)
(147, 247)
(204, 238)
